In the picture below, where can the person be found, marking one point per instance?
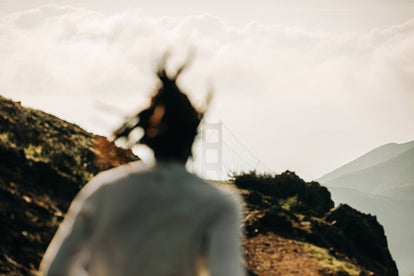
(159, 220)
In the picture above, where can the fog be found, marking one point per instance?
(303, 97)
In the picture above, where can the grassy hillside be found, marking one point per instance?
(44, 161)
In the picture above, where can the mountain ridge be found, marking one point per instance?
(368, 159)
(380, 177)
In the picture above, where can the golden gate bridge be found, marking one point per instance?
(219, 153)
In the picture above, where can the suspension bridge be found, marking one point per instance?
(219, 153)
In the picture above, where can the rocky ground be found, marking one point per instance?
(292, 228)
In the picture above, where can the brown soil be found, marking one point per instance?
(271, 255)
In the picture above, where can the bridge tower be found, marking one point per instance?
(212, 149)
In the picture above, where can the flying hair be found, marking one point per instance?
(170, 123)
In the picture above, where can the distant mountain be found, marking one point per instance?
(402, 192)
(381, 177)
(387, 169)
(372, 158)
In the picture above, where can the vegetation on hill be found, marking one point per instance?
(293, 209)
(289, 191)
(44, 161)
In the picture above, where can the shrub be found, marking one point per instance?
(289, 190)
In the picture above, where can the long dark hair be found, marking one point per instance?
(170, 122)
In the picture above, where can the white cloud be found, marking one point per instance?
(302, 100)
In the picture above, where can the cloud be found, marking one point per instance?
(307, 93)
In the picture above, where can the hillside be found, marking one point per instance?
(44, 161)
(402, 192)
(284, 209)
(385, 189)
(291, 228)
(372, 158)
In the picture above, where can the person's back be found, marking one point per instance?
(151, 220)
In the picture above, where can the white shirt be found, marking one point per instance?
(140, 220)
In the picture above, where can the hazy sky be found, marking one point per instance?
(306, 85)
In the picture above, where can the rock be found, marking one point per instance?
(367, 237)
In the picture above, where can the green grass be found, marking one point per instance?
(328, 261)
(34, 152)
(5, 139)
(289, 203)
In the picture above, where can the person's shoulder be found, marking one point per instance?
(225, 201)
(115, 175)
(121, 172)
(221, 193)
(230, 197)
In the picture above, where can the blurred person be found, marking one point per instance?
(138, 219)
